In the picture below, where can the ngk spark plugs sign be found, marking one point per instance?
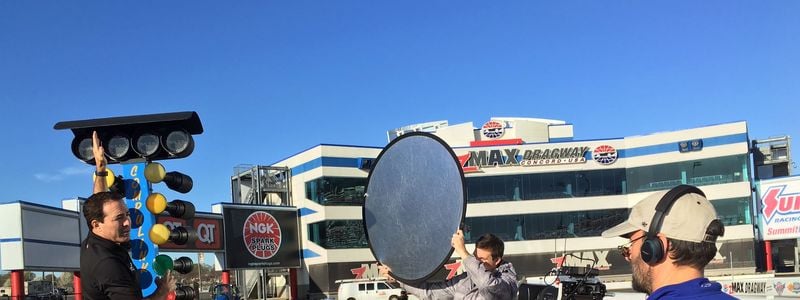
(780, 208)
(261, 236)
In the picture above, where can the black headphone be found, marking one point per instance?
(652, 249)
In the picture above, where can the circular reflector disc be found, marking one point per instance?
(415, 203)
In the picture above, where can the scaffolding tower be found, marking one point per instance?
(262, 185)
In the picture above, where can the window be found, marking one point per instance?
(545, 185)
(336, 190)
(362, 286)
(383, 286)
(338, 234)
(696, 172)
(541, 226)
(370, 286)
(735, 211)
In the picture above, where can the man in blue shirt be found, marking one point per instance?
(672, 238)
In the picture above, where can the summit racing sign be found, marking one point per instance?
(473, 161)
(780, 208)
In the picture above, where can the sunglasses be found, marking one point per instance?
(625, 249)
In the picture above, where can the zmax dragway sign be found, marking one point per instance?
(473, 161)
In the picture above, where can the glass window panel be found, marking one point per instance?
(735, 211)
(336, 190)
(546, 225)
(545, 186)
(701, 172)
(338, 234)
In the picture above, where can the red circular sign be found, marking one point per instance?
(262, 235)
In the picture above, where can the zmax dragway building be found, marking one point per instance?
(541, 191)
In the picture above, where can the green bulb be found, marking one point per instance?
(162, 264)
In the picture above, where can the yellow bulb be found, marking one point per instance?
(159, 234)
(156, 203)
(154, 172)
(109, 178)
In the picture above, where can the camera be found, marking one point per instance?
(570, 283)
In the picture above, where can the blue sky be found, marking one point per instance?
(270, 79)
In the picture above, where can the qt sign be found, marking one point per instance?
(209, 233)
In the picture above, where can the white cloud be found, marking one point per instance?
(48, 177)
(63, 173)
(76, 170)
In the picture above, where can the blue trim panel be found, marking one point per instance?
(10, 240)
(344, 162)
(306, 211)
(325, 161)
(673, 147)
(307, 253)
(561, 140)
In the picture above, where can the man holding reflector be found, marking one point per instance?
(486, 276)
(415, 200)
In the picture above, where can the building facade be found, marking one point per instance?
(529, 182)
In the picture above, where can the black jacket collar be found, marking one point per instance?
(96, 239)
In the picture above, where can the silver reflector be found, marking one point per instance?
(415, 202)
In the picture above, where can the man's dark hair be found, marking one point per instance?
(696, 255)
(491, 242)
(93, 207)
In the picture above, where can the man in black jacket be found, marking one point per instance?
(107, 271)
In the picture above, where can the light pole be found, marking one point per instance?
(200, 258)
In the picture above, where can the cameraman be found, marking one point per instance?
(671, 264)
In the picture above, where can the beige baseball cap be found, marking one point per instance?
(687, 220)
